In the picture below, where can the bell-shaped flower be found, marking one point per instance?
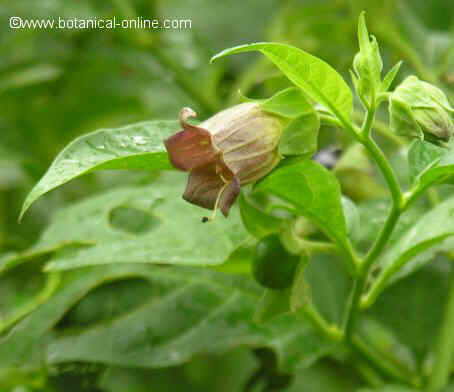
(235, 147)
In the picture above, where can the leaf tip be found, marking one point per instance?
(23, 210)
(363, 33)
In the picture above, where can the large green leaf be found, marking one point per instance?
(314, 192)
(415, 247)
(400, 306)
(228, 372)
(315, 77)
(148, 224)
(185, 313)
(133, 147)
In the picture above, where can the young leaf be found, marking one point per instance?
(390, 76)
(315, 77)
(439, 171)
(133, 147)
(314, 192)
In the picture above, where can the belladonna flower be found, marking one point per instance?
(235, 147)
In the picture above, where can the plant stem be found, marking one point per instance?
(444, 350)
(330, 331)
(386, 170)
(365, 267)
(364, 137)
(383, 130)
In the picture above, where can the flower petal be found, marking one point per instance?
(192, 147)
(205, 185)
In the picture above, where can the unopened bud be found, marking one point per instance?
(421, 110)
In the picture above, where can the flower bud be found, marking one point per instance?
(236, 146)
(421, 110)
(368, 65)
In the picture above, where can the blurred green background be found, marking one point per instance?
(58, 84)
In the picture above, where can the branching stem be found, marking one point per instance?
(364, 137)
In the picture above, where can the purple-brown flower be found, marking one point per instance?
(236, 146)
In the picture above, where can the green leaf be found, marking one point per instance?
(390, 76)
(300, 137)
(203, 373)
(401, 305)
(257, 222)
(322, 285)
(373, 215)
(380, 341)
(422, 156)
(415, 247)
(187, 312)
(133, 147)
(174, 233)
(315, 77)
(325, 376)
(314, 192)
(290, 103)
(440, 170)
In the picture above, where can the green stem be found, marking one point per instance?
(364, 136)
(386, 170)
(383, 130)
(360, 284)
(444, 350)
(321, 247)
(330, 331)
